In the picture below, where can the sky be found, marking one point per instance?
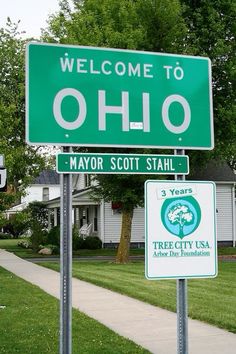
(32, 13)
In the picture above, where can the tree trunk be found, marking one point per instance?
(124, 246)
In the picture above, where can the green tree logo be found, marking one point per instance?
(182, 216)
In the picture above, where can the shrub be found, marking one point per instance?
(54, 236)
(5, 236)
(38, 236)
(38, 211)
(92, 243)
(77, 241)
(55, 249)
(18, 224)
(24, 243)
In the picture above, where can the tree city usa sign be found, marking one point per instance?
(107, 97)
(180, 226)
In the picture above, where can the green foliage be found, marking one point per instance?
(38, 211)
(54, 236)
(5, 236)
(92, 243)
(212, 33)
(22, 161)
(25, 243)
(139, 24)
(18, 224)
(38, 236)
(55, 249)
(125, 189)
(77, 241)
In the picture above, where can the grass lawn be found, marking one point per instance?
(210, 300)
(11, 246)
(30, 324)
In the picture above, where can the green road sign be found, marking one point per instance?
(90, 96)
(180, 229)
(122, 163)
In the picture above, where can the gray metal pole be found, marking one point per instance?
(66, 262)
(182, 299)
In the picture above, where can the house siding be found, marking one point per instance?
(224, 205)
(225, 224)
(138, 227)
(112, 227)
(35, 193)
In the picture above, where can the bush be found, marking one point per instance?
(77, 241)
(55, 249)
(92, 243)
(5, 236)
(54, 236)
(24, 243)
(38, 236)
(18, 224)
(38, 211)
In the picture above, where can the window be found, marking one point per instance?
(95, 221)
(116, 207)
(87, 180)
(45, 194)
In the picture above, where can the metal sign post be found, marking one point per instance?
(182, 300)
(66, 262)
(174, 210)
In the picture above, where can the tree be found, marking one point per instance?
(22, 161)
(38, 211)
(17, 224)
(180, 215)
(129, 24)
(212, 33)
(128, 191)
(38, 222)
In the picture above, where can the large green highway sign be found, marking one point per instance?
(122, 163)
(89, 96)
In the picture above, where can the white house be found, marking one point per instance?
(104, 219)
(225, 180)
(45, 187)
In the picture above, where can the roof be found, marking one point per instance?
(47, 177)
(75, 193)
(215, 171)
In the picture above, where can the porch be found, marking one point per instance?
(86, 213)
